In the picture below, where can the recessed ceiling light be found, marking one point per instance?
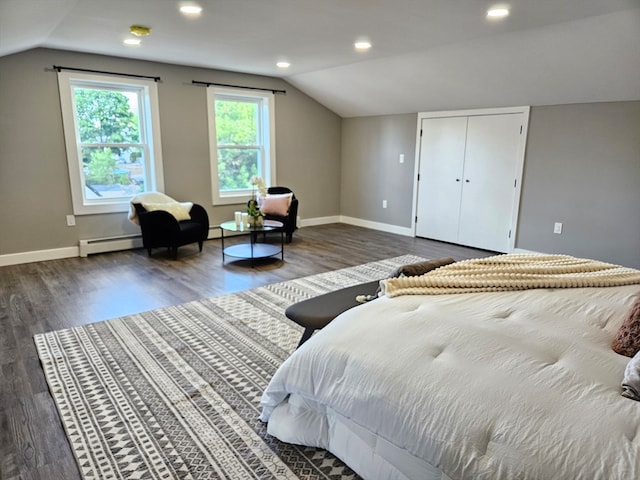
(191, 9)
(362, 45)
(498, 12)
(132, 42)
(283, 64)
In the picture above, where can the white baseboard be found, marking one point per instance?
(358, 222)
(312, 222)
(126, 242)
(38, 256)
(384, 227)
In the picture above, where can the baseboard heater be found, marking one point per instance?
(122, 242)
(109, 244)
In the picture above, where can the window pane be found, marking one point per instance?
(112, 172)
(236, 122)
(112, 139)
(106, 116)
(236, 167)
(242, 142)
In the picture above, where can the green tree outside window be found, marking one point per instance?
(106, 117)
(237, 125)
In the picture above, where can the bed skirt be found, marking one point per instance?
(305, 422)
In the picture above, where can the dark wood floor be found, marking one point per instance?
(45, 296)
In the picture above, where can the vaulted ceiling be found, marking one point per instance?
(426, 55)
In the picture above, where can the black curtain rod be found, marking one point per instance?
(208, 84)
(58, 68)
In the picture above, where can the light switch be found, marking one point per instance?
(557, 228)
(402, 158)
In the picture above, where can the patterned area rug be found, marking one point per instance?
(175, 392)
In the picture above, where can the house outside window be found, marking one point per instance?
(112, 137)
(242, 142)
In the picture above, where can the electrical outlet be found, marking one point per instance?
(557, 228)
(384, 204)
(402, 158)
(71, 221)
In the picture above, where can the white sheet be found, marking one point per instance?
(491, 385)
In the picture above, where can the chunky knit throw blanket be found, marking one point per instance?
(512, 272)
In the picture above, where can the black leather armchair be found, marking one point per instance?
(289, 221)
(161, 229)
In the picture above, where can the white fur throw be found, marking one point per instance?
(159, 201)
(512, 272)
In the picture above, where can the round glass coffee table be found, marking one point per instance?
(252, 249)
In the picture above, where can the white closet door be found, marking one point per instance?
(490, 170)
(442, 151)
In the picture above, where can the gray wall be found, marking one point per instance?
(582, 168)
(371, 171)
(34, 182)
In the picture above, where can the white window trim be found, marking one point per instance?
(155, 175)
(268, 168)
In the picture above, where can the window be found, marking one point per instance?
(112, 135)
(241, 139)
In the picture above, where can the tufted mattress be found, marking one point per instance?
(506, 385)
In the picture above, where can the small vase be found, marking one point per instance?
(255, 222)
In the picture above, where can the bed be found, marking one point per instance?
(515, 384)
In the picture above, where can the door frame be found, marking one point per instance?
(524, 110)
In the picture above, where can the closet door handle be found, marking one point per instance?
(467, 180)
(457, 179)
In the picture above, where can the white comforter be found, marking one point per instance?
(510, 385)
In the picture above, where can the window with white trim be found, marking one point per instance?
(112, 135)
(241, 141)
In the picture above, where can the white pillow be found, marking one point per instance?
(174, 208)
(276, 204)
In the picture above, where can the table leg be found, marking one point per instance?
(222, 242)
(282, 244)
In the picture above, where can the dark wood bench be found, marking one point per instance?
(317, 312)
